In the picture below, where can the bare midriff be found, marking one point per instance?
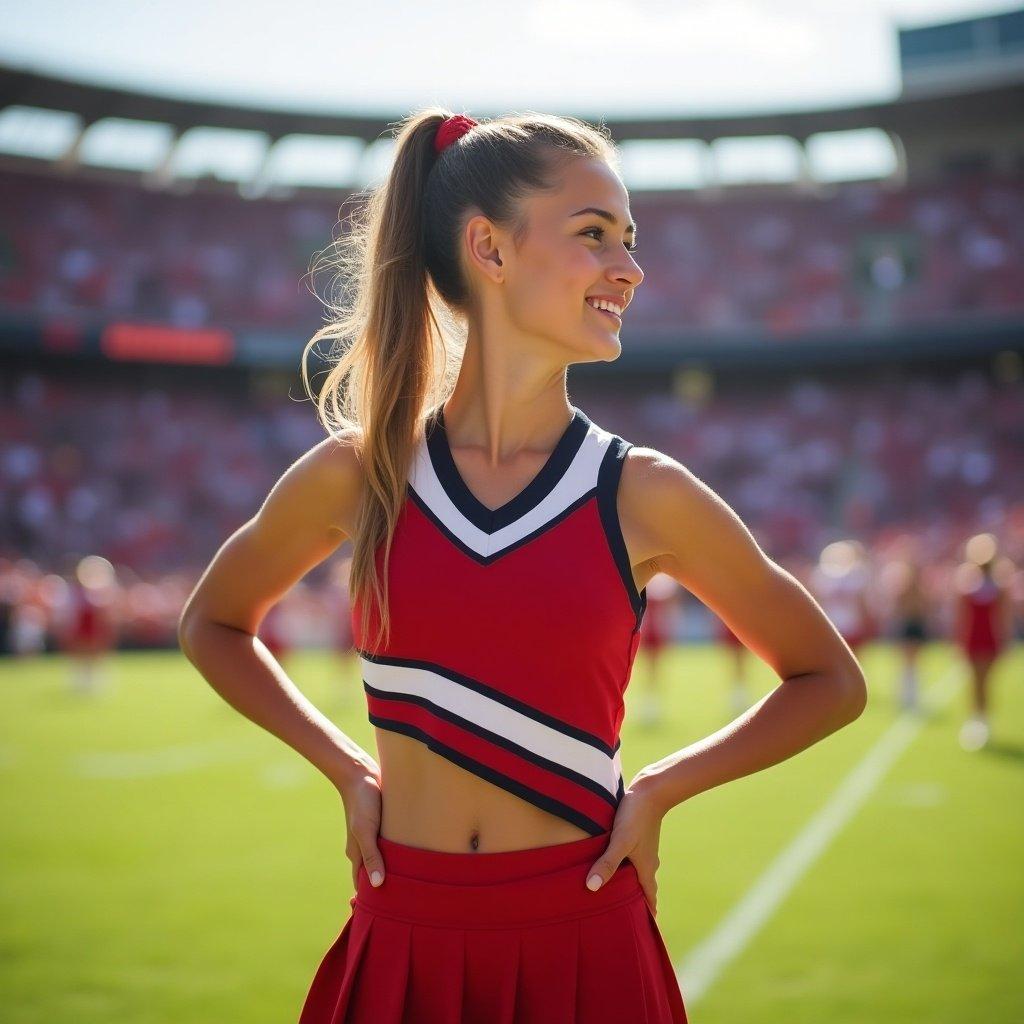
(433, 803)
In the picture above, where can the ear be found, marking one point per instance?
(483, 247)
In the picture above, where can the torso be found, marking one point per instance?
(982, 633)
(431, 803)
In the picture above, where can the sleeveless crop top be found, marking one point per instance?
(513, 630)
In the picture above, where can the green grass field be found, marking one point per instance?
(164, 860)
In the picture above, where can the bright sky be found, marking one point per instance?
(593, 58)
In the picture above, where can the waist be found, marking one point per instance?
(478, 890)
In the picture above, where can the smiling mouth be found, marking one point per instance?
(605, 312)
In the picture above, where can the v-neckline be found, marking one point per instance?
(487, 519)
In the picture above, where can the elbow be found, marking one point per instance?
(853, 694)
(184, 633)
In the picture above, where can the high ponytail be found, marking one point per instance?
(402, 302)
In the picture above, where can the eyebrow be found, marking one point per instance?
(610, 217)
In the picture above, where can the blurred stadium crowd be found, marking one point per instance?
(156, 479)
(863, 254)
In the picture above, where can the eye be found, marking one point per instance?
(600, 233)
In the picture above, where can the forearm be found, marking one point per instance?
(241, 669)
(795, 715)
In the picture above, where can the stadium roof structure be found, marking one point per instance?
(153, 129)
(994, 103)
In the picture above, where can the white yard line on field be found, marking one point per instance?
(140, 764)
(706, 961)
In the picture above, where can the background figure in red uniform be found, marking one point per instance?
(841, 582)
(984, 628)
(86, 627)
(656, 631)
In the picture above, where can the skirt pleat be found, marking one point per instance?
(496, 938)
(605, 994)
(381, 990)
(436, 972)
(548, 958)
(665, 999)
(492, 976)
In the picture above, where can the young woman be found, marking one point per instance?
(502, 543)
(983, 629)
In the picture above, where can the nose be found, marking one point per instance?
(629, 272)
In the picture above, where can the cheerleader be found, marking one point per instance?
(502, 866)
(87, 627)
(983, 630)
(841, 583)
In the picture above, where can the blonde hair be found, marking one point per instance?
(400, 300)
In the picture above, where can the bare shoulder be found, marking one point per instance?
(331, 474)
(652, 483)
(677, 513)
(318, 493)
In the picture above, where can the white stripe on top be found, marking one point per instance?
(494, 716)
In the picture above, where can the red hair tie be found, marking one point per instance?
(450, 129)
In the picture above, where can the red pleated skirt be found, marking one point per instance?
(496, 938)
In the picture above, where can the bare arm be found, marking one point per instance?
(704, 545)
(301, 522)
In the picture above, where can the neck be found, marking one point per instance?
(503, 405)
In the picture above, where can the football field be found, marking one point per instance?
(164, 860)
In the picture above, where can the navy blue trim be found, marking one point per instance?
(487, 559)
(491, 520)
(608, 477)
(496, 695)
(497, 739)
(545, 803)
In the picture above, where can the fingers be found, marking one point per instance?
(602, 870)
(373, 862)
(608, 864)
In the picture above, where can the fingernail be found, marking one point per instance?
(594, 883)
(376, 878)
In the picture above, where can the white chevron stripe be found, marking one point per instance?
(579, 477)
(494, 716)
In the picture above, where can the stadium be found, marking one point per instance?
(830, 334)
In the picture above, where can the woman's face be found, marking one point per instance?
(567, 256)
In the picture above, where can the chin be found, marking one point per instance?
(606, 349)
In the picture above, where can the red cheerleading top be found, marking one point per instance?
(513, 630)
(981, 633)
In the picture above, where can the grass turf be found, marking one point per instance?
(165, 860)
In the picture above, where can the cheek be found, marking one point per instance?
(551, 285)
(548, 292)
